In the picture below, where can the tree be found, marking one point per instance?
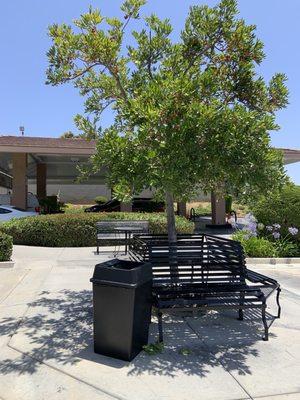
(189, 115)
(68, 135)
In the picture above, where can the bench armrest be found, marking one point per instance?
(255, 277)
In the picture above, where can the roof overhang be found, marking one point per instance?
(290, 156)
(41, 145)
(62, 156)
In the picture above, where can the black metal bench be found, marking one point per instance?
(210, 272)
(110, 231)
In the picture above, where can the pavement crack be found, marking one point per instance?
(16, 285)
(112, 395)
(218, 360)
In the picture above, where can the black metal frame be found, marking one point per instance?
(210, 272)
(111, 230)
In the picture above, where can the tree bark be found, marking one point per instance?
(172, 236)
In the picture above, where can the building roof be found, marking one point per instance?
(26, 144)
(44, 145)
(290, 155)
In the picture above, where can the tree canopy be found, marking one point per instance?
(189, 114)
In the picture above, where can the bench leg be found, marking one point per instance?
(241, 313)
(97, 247)
(263, 315)
(160, 328)
(278, 304)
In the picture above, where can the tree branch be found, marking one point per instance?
(149, 61)
(119, 84)
(79, 74)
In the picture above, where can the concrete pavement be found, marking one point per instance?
(46, 341)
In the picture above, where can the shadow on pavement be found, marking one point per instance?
(58, 328)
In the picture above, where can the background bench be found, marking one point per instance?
(107, 233)
(210, 273)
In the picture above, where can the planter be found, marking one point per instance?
(7, 264)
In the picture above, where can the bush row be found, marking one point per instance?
(6, 247)
(262, 247)
(280, 207)
(78, 230)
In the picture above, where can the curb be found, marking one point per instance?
(273, 261)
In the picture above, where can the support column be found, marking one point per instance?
(41, 180)
(218, 210)
(126, 207)
(19, 182)
(181, 208)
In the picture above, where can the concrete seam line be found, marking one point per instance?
(67, 374)
(19, 323)
(20, 319)
(16, 285)
(233, 377)
(271, 396)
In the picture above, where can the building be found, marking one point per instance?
(49, 166)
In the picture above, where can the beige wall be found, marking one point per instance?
(80, 194)
(72, 193)
(3, 190)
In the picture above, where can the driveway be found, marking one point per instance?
(47, 349)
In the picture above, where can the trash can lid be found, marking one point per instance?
(122, 273)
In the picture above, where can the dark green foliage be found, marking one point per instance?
(265, 247)
(153, 348)
(287, 248)
(51, 205)
(256, 247)
(203, 210)
(191, 114)
(280, 207)
(6, 247)
(228, 203)
(100, 199)
(78, 230)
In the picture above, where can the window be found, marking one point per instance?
(4, 211)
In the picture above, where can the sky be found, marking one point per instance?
(48, 111)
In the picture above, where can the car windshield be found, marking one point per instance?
(4, 210)
(18, 209)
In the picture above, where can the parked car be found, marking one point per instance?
(138, 205)
(9, 212)
(147, 205)
(109, 206)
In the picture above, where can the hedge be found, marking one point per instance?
(78, 230)
(6, 247)
(255, 246)
(281, 208)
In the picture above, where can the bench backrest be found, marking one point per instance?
(204, 259)
(111, 225)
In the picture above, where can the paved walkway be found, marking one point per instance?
(46, 341)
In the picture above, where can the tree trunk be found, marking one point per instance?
(172, 236)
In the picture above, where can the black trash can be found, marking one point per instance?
(122, 307)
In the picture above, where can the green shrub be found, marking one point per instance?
(286, 248)
(282, 208)
(255, 246)
(78, 230)
(100, 199)
(6, 247)
(74, 209)
(203, 210)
